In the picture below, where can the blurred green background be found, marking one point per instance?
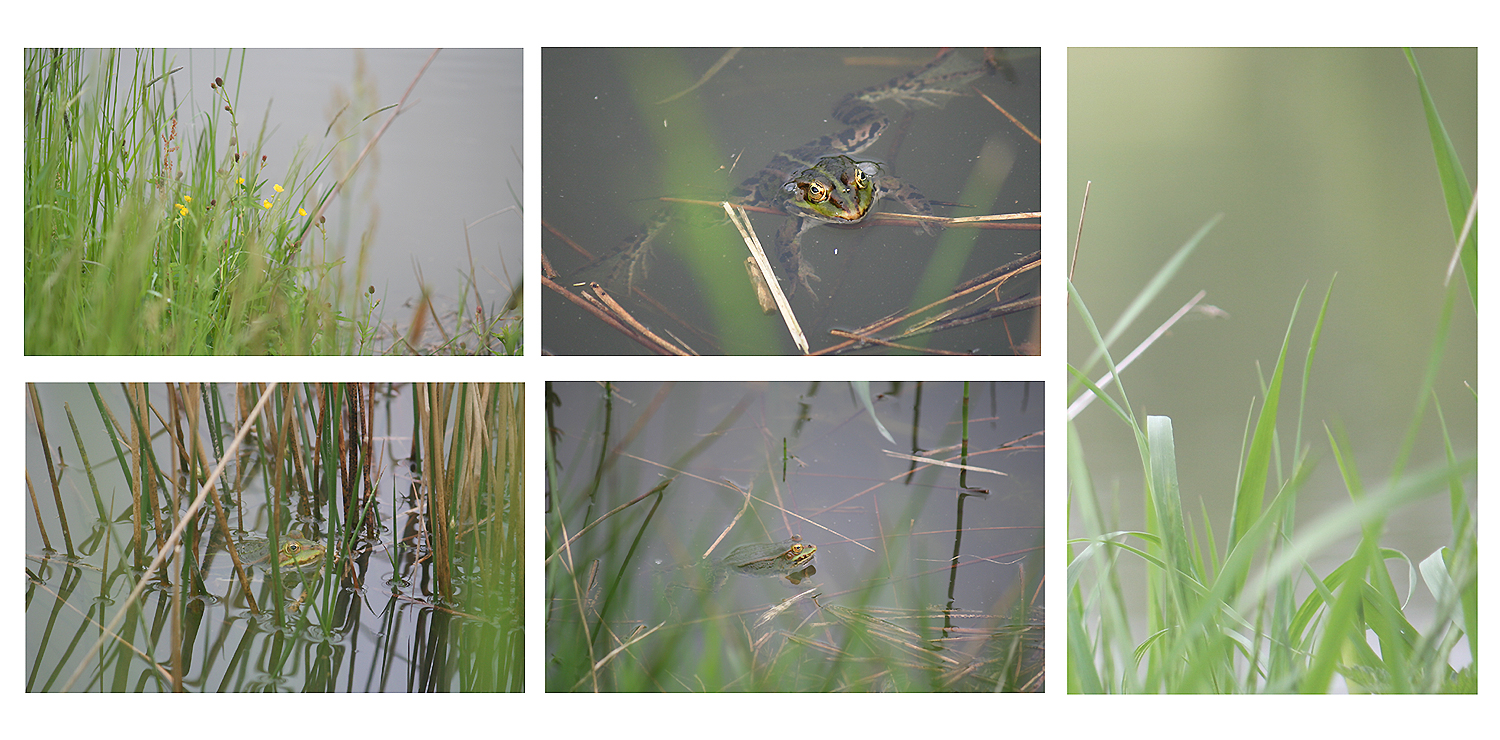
(1321, 163)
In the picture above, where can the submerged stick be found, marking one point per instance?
(742, 222)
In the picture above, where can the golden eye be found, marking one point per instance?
(293, 547)
(816, 193)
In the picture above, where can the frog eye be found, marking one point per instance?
(293, 547)
(859, 179)
(816, 193)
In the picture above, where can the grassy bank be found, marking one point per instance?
(143, 238)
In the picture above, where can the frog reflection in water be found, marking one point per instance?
(820, 182)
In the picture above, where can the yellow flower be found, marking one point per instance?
(266, 203)
(181, 209)
(242, 181)
(188, 198)
(278, 188)
(301, 212)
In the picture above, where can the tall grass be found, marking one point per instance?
(471, 439)
(1244, 610)
(142, 238)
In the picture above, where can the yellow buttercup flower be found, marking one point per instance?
(278, 188)
(187, 198)
(301, 212)
(266, 203)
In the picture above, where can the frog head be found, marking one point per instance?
(834, 190)
(799, 553)
(297, 553)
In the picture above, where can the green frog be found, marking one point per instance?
(790, 557)
(295, 554)
(821, 181)
(297, 558)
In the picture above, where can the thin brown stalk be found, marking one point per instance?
(866, 339)
(741, 222)
(1087, 397)
(566, 549)
(137, 541)
(604, 316)
(1007, 114)
(36, 509)
(41, 430)
(718, 65)
(433, 401)
(662, 486)
(771, 504)
(1078, 237)
(200, 454)
(568, 240)
(1015, 267)
(993, 312)
(987, 221)
(612, 305)
(339, 186)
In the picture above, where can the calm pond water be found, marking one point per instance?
(922, 587)
(612, 149)
(373, 622)
(451, 160)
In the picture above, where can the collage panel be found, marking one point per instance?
(275, 538)
(754, 537)
(1277, 490)
(272, 201)
(765, 201)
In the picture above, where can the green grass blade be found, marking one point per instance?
(862, 392)
(1456, 191)
(1463, 559)
(1312, 351)
(1148, 294)
(1083, 676)
(1101, 348)
(1166, 501)
(1250, 497)
(1429, 380)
